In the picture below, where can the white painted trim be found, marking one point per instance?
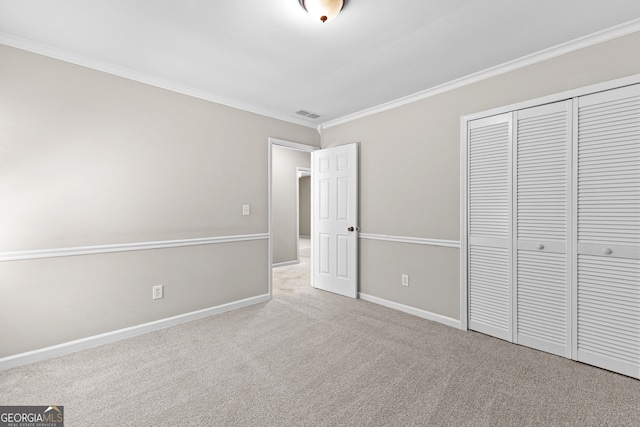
(300, 172)
(464, 239)
(84, 61)
(543, 55)
(411, 240)
(454, 323)
(556, 97)
(109, 337)
(285, 263)
(293, 145)
(572, 247)
(124, 247)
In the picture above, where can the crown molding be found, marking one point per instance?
(543, 55)
(561, 49)
(51, 52)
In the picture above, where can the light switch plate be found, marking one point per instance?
(246, 210)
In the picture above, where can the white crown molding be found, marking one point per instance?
(45, 50)
(412, 240)
(124, 247)
(454, 323)
(543, 55)
(109, 337)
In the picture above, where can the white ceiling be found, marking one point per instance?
(269, 56)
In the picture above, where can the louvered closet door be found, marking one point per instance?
(543, 136)
(608, 221)
(489, 224)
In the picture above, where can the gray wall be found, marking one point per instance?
(304, 185)
(284, 201)
(410, 170)
(88, 158)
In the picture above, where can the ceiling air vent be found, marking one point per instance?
(307, 114)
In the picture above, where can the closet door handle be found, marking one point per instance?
(607, 251)
(540, 246)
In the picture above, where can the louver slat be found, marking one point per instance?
(608, 311)
(489, 291)
(601, 170)
(552, 147)
(542, 296)
(489, 180)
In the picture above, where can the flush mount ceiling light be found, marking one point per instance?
(323, 10)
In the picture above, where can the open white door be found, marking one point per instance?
(334, 175)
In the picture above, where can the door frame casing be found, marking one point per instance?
(295, 146)
(300, 172)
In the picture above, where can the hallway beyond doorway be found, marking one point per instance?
(288, 278)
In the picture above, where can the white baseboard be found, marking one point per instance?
(96, 340)
(454, 323)
(285, 263)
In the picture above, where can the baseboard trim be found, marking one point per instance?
(109, 337)
(285, 263)
(412, 240)
(454, 323)
(125, 247)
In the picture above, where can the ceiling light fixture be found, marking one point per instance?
(324, 10)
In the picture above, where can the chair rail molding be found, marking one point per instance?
(411, 240)
(125, 247)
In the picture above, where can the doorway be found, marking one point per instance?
(289, 215)
(334, 223)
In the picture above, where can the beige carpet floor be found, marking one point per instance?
(311, 358)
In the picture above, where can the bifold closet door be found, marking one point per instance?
(543, 141)
(489, 153)
(608, 230)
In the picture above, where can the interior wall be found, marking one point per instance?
(304, 209)
(92, 159)
(284, 201)
(410, 170)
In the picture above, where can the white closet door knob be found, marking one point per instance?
(540, 246)
(607, 251)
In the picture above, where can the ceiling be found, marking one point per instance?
(270, 57)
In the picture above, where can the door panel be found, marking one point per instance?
(489, 224)
(543, 137)
(608, 224)
(335, 219)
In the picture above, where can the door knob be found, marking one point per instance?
(540, 246)
(350, 229)
(607, 251)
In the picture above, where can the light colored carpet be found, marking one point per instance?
(311, 358)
